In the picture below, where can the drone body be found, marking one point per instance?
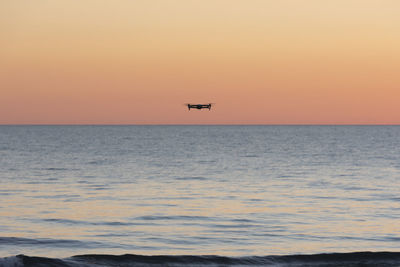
(199, 106)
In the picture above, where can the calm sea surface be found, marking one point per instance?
(196, 190)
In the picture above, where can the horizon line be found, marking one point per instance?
(201, 124)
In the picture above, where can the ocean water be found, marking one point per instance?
(241, 193)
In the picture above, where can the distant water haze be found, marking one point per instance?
(198, 190)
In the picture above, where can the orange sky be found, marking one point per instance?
(260, 61)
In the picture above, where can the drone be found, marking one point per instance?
(199, 106)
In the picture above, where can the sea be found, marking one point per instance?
(199, 195)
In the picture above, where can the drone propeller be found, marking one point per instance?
(194, 103)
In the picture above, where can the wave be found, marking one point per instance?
(194, 178)
(352, 259)
(48, 242)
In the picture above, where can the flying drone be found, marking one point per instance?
(199, 106)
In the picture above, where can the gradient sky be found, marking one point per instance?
(260, 61)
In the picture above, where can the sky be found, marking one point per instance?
(259, 61)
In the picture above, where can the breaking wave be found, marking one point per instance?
(365, 259)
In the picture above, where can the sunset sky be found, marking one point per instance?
(139, 62)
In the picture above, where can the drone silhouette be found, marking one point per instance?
(199, 106)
